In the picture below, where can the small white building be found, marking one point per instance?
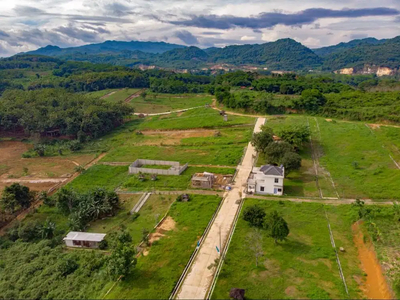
(83, 239)
(266, 180)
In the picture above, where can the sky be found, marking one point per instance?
(29, 24)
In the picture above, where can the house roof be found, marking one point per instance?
(273, 170)
(84, 236)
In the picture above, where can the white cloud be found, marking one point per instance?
(30, 24)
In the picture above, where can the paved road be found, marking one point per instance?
(199, 278)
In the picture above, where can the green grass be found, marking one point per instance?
(195, 118)
(156, 103)
(170, 182)
(346, 144)
(109, 177)
(161, 167)
(156, 274)
(122, 216)
(349, 153)
(303, 266)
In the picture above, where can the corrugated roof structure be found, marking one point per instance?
(84, 236)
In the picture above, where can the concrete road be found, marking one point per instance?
(199, 278)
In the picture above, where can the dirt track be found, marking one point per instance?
(375, 286)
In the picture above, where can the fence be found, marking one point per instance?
(176, 168)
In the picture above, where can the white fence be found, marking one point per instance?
(175, 169)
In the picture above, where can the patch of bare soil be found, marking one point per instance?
(291, 291)
(375, 285)
(167, 225)
(328, 120)
(374, 126)
(133, 96)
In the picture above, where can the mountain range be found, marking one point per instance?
(283, 54)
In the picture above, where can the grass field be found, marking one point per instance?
(303, 266)
(359, 164)
(352, 155)
(108, 177)
(195, 118)
(156, 103)
(111, 177)
(195, 147)
(115, 94)
(170, 182)
(156, 274)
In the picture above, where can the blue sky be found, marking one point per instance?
(29, 24)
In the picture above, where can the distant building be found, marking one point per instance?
(266, 180)
(83, 239)
(203, 180)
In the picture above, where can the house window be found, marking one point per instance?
(279, 190)
(276, 180)
(262, 189)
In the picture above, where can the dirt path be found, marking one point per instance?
(134, 95)
(375, 286)
(169, 112)
(51, 191)
(109, 94)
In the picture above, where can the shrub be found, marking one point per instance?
(255, 215)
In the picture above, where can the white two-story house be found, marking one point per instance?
(266, 180)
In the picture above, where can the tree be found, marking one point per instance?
(310, 100)
(122, 259)
(295, 135)
(15, 196)
(254, 244)
(262, 139)
(279, 229)
(143, 95)
(276, 150)
(47, 230)
(291, 161)
(254, 215)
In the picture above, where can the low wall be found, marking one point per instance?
(175, 169)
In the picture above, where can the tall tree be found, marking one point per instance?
(254, 244)
(262, 139)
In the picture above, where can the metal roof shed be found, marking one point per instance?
(83, 239)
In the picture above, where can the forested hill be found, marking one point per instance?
(107, 47)
(325, 51)
(284, 54)
(386, 54)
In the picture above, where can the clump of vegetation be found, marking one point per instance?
(274, 223)
(15, 197)
(85, 207)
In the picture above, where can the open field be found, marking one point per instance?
(352, 159)
(171, 182)
(195, 118)
(115, 94)
(156, 103)
(359, 165)
(42, 172)
(111, 177)
(156, 273)
(303, 266)
(221, 146)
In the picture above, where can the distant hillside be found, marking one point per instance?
(385, 54)
(107, 48)
(284, 54)
(345, 46)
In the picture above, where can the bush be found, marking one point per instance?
(103, 245)
(255, 215)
